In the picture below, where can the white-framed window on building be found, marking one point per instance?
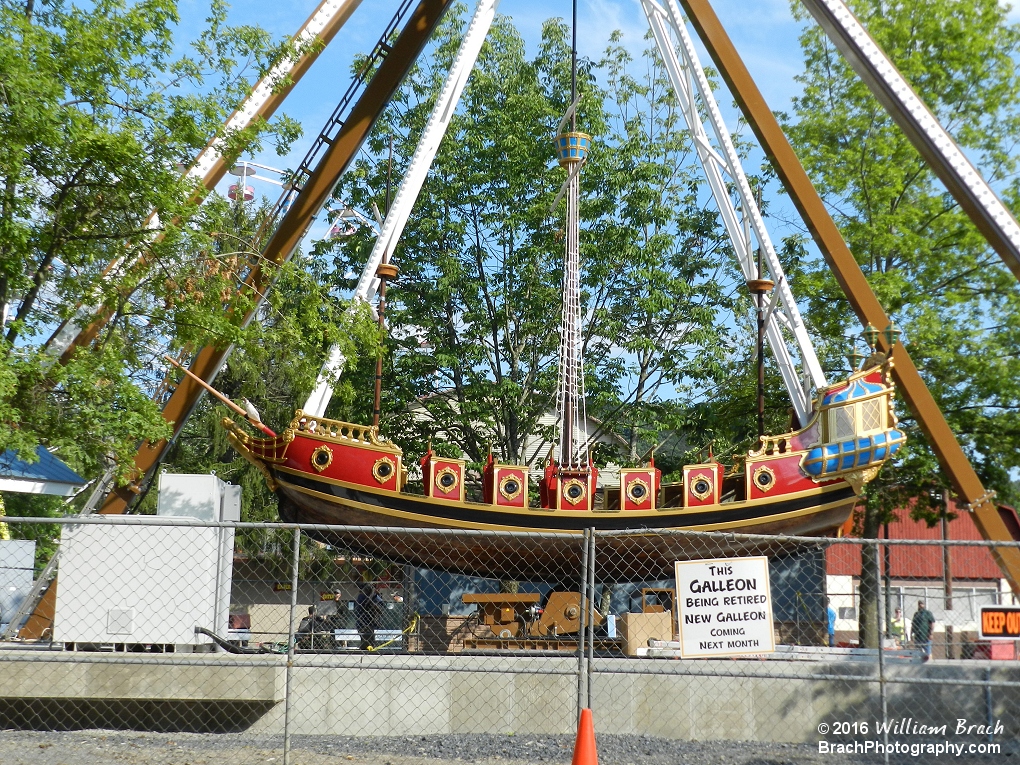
(967, 599)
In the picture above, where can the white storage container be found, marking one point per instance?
(149, 583)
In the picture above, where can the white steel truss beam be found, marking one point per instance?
(923, 129)
(410, 187)
(425, 152)
(721, 161)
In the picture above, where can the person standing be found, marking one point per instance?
(306, 629)
(898, 628)
(921, 629)
(367, 612)
(830, 612)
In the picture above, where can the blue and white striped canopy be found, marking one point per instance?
(857, 389)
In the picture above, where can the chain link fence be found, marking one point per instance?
(276, 630)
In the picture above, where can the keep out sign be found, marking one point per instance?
(1000, 622)
(724, 607)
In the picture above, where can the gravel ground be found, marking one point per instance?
(133, 748)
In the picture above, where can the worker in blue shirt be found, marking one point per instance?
(831, 613)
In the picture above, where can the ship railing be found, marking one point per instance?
(772, 445)
(367, 435)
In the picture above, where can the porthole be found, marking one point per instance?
(764, 478)
(447, 480)
(701, 487)
(637, 491)
(573, 491)
(322, 458)
(510, 487)
(384, 469)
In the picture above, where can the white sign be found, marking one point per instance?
(724, 607)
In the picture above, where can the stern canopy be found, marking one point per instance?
(858, 429)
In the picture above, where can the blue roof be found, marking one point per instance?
(857, 389)
(48, 468)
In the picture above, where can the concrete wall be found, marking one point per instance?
(429, 694)
(782, 701)
(360, 694)
(194, 676)
(192, 692)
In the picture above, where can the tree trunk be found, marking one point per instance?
(868, 616)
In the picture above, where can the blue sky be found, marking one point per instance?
(764, 33)
(766, 38)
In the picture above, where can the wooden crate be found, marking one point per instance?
(635, 630)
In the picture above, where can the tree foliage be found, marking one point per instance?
(475, 312)
(931, 269)
(275, 366)
(660, 307)
(99, 111)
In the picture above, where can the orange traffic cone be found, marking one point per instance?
(584, 747)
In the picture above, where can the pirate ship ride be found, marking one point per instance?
(802, 482)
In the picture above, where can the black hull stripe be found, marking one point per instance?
(605, 521)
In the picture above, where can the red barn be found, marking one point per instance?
(919, 572)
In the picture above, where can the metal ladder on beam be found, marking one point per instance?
(296, 179)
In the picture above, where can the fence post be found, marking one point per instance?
(989, 708)
(591, 609)
(290, 646)
(581, 653)
(880, 607)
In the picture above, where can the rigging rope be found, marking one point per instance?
(572, 150)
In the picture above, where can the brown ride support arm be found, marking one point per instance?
(366, 111)
(850, 277)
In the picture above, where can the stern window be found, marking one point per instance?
(841, 422)
(872, 416)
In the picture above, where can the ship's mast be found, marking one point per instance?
(572, 150)
(573, 451)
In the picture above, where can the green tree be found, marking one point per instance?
(276, 365)
(475, 312)
(657, 337)
(98, 112)
(930, 268)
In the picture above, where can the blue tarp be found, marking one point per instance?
(48, 468)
